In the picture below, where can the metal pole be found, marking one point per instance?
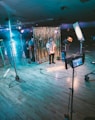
(81, 47)
(14, 65)
(2, 56)
(72, 94)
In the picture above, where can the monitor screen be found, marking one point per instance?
(77, 62)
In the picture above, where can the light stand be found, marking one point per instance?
(2, 56)
(70, 105)
(14, 65)
(81, 47)
(21, 45)
(73, 62)
(79, 35)
(72, 91)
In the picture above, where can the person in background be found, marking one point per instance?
(68, 42)
(26, 50)
(31, 48)
(51, 47)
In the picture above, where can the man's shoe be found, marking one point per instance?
(53, 62)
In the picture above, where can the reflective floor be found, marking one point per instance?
(43, 91)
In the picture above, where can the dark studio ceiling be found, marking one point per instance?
(46, 12)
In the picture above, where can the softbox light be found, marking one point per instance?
(78, 31)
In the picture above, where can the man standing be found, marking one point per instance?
(31, 47)
(26, 51)
(51, 46)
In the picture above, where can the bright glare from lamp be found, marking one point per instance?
(19, 27)
(22, 31)
(79, 33)
(55, 31)
(7, 29)
(14, 48)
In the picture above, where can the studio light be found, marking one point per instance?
(22, 31)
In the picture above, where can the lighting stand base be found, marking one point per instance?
(17, 78)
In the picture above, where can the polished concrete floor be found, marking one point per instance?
(43, 91)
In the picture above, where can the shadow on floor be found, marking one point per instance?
(89, 118)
